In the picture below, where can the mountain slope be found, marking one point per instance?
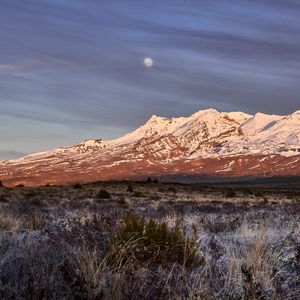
(208, 142)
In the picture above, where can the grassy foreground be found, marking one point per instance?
(134, 240)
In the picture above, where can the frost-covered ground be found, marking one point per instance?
(55, 242)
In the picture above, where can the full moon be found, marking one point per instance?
(148, 62)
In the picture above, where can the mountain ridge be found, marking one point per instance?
(207, 142)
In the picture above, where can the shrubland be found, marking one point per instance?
(170, 241)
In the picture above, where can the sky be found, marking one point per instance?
(72, 70)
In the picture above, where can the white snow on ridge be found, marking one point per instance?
(206, 133)
(260, 122)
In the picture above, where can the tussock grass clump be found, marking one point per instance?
(35, 222)
(103, 194)
(8, 222)
(147, 241)
(83, 272)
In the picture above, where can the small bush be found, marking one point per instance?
(265, 200)
(230, 193)
(258, 194)
(172, 189)
(247, 191)
(130, 189)
(147, 241)
(122, 201)
(155, 197)
(138, 194)
(3, 199)
(103, 194)
(30, 195)
(77, 186)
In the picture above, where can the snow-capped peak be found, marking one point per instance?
(205, 112)
(185, 142)
(259, 122)
(205, 133)
(154, 118)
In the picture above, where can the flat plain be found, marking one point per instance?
(151, 240)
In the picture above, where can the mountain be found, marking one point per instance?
(208, 142)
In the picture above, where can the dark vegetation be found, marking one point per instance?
(130, 189)
(150, 240)
(103, 194)
(147, 241)
(230, 193)
(138, 194)
(77, 186)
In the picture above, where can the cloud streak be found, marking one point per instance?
(80, 63)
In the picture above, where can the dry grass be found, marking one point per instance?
(8, 222)
(63, 243)
(90, 269)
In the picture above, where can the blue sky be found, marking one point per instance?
(73, 69)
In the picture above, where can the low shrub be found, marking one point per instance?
(147, 241)
(138, 194)
(30, 194)
(230, 193)
(3, 199)
(155, 197)
(122, 201)
(258, 194)
(130, 189)
(247, 191)
(103, 194)
(77, 186)
(171, 189)
(265, 200)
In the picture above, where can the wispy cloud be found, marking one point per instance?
(80, 63)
